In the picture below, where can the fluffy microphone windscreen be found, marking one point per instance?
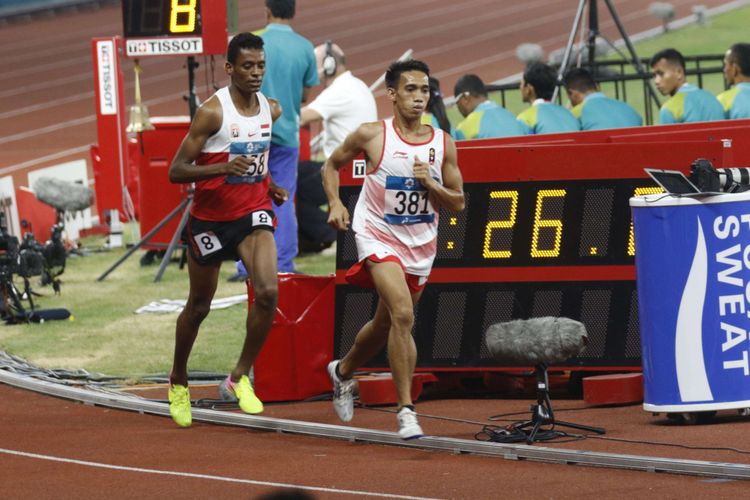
(528, 342)
(63, 195)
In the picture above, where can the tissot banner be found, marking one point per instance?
(693, 279)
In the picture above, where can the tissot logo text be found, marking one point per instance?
(107, 82)
(193, 45)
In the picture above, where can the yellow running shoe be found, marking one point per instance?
(243, 390)
(179, 405)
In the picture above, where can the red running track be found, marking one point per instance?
(53, 448)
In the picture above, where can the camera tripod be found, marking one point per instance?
(12, 310)
(183, 207)
(542, 413)
(592, 35)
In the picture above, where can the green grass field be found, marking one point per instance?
(107, 336)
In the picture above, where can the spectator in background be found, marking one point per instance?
(290, 72)
(344, 104)
(736, 101)
(594, 110)
(688, 103)
(482, 118)
(543, 117)
(436, 115)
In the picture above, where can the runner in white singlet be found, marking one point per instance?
(412, 174)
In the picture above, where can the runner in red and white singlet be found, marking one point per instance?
(231, 197)
(395, 216)
(412, 173)
(225, 153)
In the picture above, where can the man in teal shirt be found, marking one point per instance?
(687, 103)
(483, 118)
(736, 100)
(290, 72)
(594, 110)
(543, 117)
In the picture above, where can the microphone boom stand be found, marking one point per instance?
(542, 413)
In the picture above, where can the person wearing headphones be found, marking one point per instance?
(345, 103)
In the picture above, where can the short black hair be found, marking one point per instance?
(282, 9)
(395, 69)
(242, 41)
(740, 55)
(671, 55)
(579, 79)
(543, 78)
(471, 84)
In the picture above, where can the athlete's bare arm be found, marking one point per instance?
(207, 122)
(276, 109)
(367, 139)
(449, 194)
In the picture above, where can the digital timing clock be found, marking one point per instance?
(546, 231)
(174, 27)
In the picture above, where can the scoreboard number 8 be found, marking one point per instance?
(186, 22)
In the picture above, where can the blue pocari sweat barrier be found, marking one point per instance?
(693, 276)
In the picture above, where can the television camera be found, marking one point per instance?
(27, 259)
(711, 180)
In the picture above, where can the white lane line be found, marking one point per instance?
(46, 84)
(47, 104)
(77, 121)
(38, 68)
(44, 130)
(205, 476)
(160, 77)
(37, 162)
(29, 46)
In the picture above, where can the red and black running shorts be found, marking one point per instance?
(215, 241)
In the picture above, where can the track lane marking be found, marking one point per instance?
(206, 476)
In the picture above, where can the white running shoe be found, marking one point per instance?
(343, 393)
(408, 427)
